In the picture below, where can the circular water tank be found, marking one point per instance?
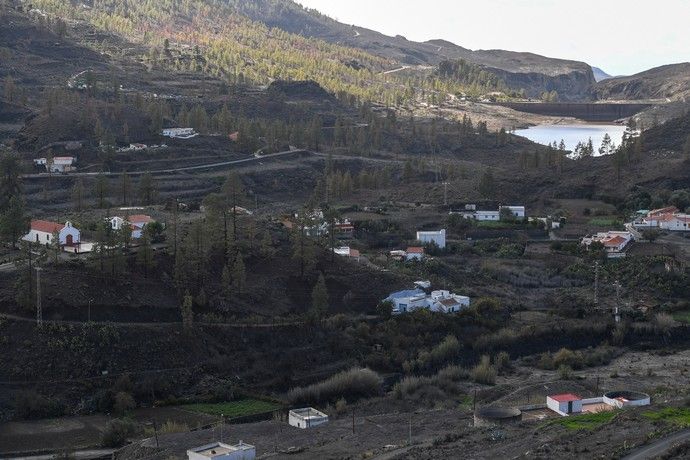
(625, 398)
(493, 415)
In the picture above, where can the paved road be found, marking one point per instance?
(658, 447)
(80, 455)
(171, 170)
(148, 324)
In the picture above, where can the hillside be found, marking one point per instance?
(530, 71)
(670, 82)
(600, 75)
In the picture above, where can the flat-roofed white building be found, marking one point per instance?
(222, 451)
(180, 133)
(517, 211)
(487, 216)
(438, 237)
(565, 404)
(307, 417)
(57, 164)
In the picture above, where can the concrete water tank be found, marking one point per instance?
(496, 416)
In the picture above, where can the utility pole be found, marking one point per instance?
(596, 284)
(616, 312)
(353, 421)
(155, 432)
(220, 427)
(409, 434)
(39, 307)
(445, 193)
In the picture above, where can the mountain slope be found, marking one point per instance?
(600, 75)
(670, 82)
(534, 73)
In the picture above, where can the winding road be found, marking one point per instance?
(658, 447)
(171, 170)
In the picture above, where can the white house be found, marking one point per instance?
(614, 242)
(414, 253)
(407, 300)
(669, 218)
(564, 404)
(415, 299)
(487, 216)
(307, 417)
(517, 211)
(222, 451)
(180, 133)
(346, 251)
(447, 302)
(677, 222)
(42, 231)
(437, 237)
(137, 222)
(57, 164)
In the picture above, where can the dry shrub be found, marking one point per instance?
(484, 372)
(353, 384)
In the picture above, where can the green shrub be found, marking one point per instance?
(123, 403)
(30, 405)
(118, 431)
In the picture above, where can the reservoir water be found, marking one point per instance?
(573, 133)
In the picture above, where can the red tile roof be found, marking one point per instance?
(565, 397)
(615, 241)
(415, 250)
(46, 226)
(140, 219)
(667, 210)
(354, 253)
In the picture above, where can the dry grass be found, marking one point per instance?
(352, 384)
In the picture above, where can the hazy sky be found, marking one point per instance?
(620, 36)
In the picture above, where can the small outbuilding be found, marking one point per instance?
(222, 451)
(565, 404)
(307, 417)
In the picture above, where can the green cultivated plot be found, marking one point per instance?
(234, 408)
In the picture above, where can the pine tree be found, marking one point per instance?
(319, 298)
(125, 188)
(145, 258)
(187, 311)
(226, 280)
(78, 195)
(101, 190)
(13, 221)
(487, 184)
(239, 275)
(147, 189)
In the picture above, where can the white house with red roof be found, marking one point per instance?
(565, 404)
(614, 242)
(137, 222)
(414, 253)
(669, 219)
(43, 231)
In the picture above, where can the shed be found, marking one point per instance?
(307, 417)
(565, 404)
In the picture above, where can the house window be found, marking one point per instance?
(37, 237)
(47, 237)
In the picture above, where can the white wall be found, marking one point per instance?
(309, 422)
(43, 237)
(437, 237)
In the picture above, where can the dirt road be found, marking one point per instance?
(658, 447)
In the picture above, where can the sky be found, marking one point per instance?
(622, 37)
